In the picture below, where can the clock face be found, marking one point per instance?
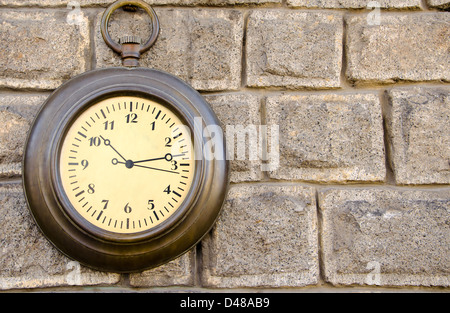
(111, 174)
(126, 164)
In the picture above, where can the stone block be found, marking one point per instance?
(294, 49)
(403, 47)
(27, 259)
(41, 49)
(328, 137)
(17, 112)
(418, 132)
(354, 4)
(201, 46)
(386, 236)
(179, 272)
(83, 3)
(239, 115)
(266, 236)
(12, 137)
(441, 4)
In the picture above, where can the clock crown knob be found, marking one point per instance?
(130, 40)
(131, 47)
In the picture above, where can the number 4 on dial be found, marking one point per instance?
(167, 190)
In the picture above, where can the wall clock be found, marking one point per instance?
(116, 171)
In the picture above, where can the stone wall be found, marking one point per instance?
(359, 90)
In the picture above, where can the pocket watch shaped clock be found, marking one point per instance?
(116, 173)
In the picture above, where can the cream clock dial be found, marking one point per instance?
(127, 164)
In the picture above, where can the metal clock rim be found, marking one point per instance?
(96, 252)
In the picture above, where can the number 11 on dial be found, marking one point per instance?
(127, 164)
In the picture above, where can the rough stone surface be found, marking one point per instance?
(27, 259)
(329, 137)
(354, 4)
(389, 237)
(266, 236)
(12, 137)
(419, 135)
(83, 3)
(294, 49)
(239, 112)
(179, 272)
(404, 47)
(202, 47)
(40, 57)
(16, 115)
(442, 4)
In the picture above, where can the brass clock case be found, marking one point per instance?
(103, 249)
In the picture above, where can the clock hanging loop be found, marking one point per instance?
(130, 48)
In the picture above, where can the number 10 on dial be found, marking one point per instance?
(127, 164)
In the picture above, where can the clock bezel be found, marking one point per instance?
(120, 252)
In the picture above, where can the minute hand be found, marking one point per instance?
(108, 144)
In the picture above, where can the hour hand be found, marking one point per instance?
(168, 157)
(108, 144)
